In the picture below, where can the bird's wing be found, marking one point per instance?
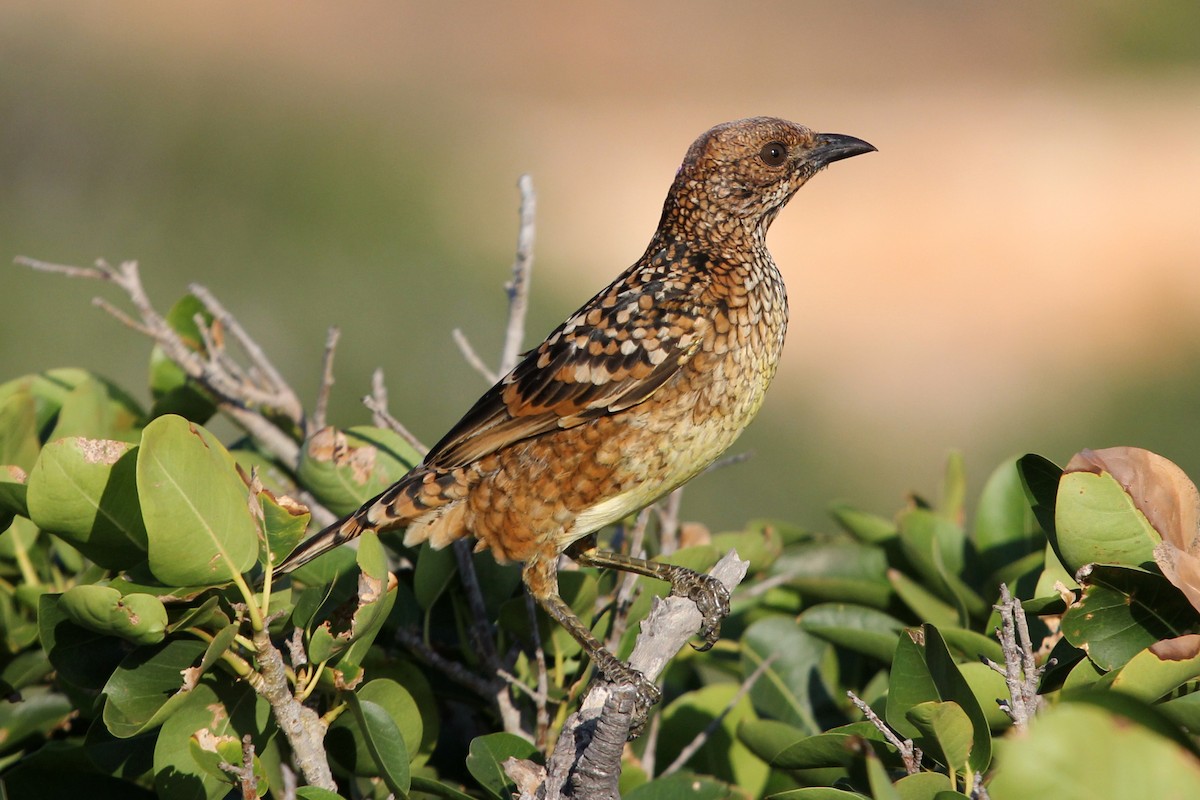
(612, 354)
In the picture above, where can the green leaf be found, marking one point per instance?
(146, 687)
(818, 793)
(925, 604)
(194, 504)
(791, 689)
(946, 730)
(284, 524)
(879, 782)
(1123, 611)
(723, 756)
(954, 489)
(138, 618)
(486, 761)
(383, 741)
(82, 657)
(936, 547)
(1161, 668)
(13, 492)
(922, 673)
(173, 391)
(858, 628)
(761, 544)
(1005, 527)
(62, 770)
(316, 793)
(1039, 478)
(221, 708)
(910, 684)
(39, 711)
(836, 570)
(85, 490)
(434, 571)
(1097, 522)
(767, 738)
(681, 786)
(18, 430)
(972, 645)
(87, 410)
(864, 526)
(346, 740)
(210, 751)
(989, 688)
(345, 469)
(1122, 759)
(952, 686)
(374, 600)
(922, 786)
(842, 746)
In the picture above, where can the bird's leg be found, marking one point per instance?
(708, 593)
(541, 577)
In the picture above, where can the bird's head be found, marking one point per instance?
(740, 174)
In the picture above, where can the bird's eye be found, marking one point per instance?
(773, 154)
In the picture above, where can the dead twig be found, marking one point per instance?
(239, 393)
(587, 757)
(321, 409)
(518, 285)
(1020, 670)
(909, 753)
(303, 727)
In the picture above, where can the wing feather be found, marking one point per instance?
(611, 355)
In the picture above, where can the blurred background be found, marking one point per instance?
(1017, 269)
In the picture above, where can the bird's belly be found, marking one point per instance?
(676, 438)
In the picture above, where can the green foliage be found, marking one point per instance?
(134, 548)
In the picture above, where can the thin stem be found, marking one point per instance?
(518, 286)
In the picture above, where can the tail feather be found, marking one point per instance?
(419, 501)
(327, 539)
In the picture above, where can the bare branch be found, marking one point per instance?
(121, 317)
(518, 286)
(303, 727)
(97, 272)
(586, 760)
(380, 416)
(909, 753)
(288, 402)
(668, 522)
(245, 772)
(1020, 670)
(321, 411)
(472, 357)
(627, 581)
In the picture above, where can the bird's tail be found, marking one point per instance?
(418, 501)
(327, 539)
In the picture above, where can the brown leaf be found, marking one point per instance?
(1181, 648)
(1181, 568)
(1158, 488)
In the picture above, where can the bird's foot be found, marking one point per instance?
(645, 692)
(711, 597)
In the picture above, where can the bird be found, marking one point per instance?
(634, 394)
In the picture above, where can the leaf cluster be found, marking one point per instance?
(142, 631)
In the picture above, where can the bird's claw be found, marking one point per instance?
(646, 693)
(711, 597)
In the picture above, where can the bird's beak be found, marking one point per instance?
(832, 147)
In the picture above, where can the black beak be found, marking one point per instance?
(832, 147)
